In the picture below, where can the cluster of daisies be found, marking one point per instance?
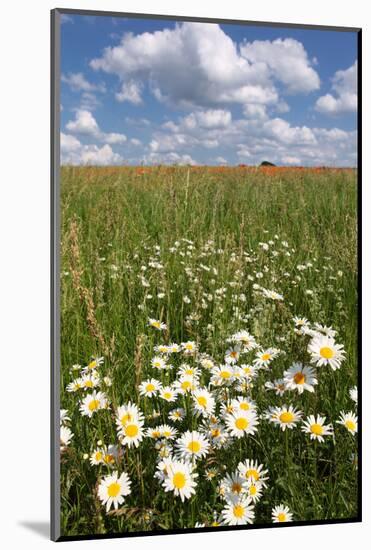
(207, 405)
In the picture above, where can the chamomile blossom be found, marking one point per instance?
(158, 363)
(242, 423)
(263, 358)
(112, 489)
(285, 417)
(325, 351)
(239, 512)
(65, 436)
(281, 514)
(169, 394)
(63, 417)
(192, 445)
(203, 402)
(233, 486)
(189, 348)
(158, 325)
(92, 403)
(94, 364)
(167, 432)
(316, 427)
(254, 490)
(353, 392)
(180, 478)
(96, 456)
(244, 338)
(223, 375)
(349, 420)
(253, 471)
(177, 415)
(299, 377)
(232, 354)
(149, 388)
(131, 433)
(278, 386)
(185, 384)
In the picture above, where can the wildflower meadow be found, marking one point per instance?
(208, 347)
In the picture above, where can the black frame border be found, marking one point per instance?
(55, 44)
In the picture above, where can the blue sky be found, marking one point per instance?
(138, 91)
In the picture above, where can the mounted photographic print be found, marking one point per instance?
(205, 235)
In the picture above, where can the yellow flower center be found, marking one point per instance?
(125, 418)
(167, 395)
(316, 429)
(326, 353)
(189, 347)
(253, 473)
(234, 354)
(281, 516)
(241, 423)
(98, 456)
(244, 406)
(155, 434)
(247, 370)
(202, 401)
(131, 430)
(113, 489)
(150, 387)
(236, 488)
(299, 378)
(286, 417)
(92, 364)
(266, 356)
(108, 459)
(166, 433)
(189, 372)
(156, 324)
(179, 480)
(225, 374)
(185, 385)
(93, 405)
(194, 446)
(88, 383)
(253, 490)
(350, 425)
(215, 432)
(238, 511)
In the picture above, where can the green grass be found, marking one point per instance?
(111, 220)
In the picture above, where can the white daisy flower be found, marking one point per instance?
(94, 363)
(349, 420)
(232, 355)
(278, 386)
(324, 351)
(240, 512)
(167, 393)
(223, 375)
(180, 479)
(132, 433)
(253, 471)
(177, 415)
(63, 417)
(203, 402)
(281, 514)
(315, 426)
(254, 490)
(185, 384)
(149, 388)
(192, 445)
(285, 417)
(300, 378)
(245, 338)
(272, 295)
(263, 358)
(112, 490)
(92, 403)
(154, 323)
(233, 486)
(242, 423)
(353, 392)
(189, 348)
(166, 431)
(65, 436)
(159, 363)
(96, 457)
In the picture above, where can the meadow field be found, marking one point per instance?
(208, 347)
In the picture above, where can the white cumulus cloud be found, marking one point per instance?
(344, 98)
